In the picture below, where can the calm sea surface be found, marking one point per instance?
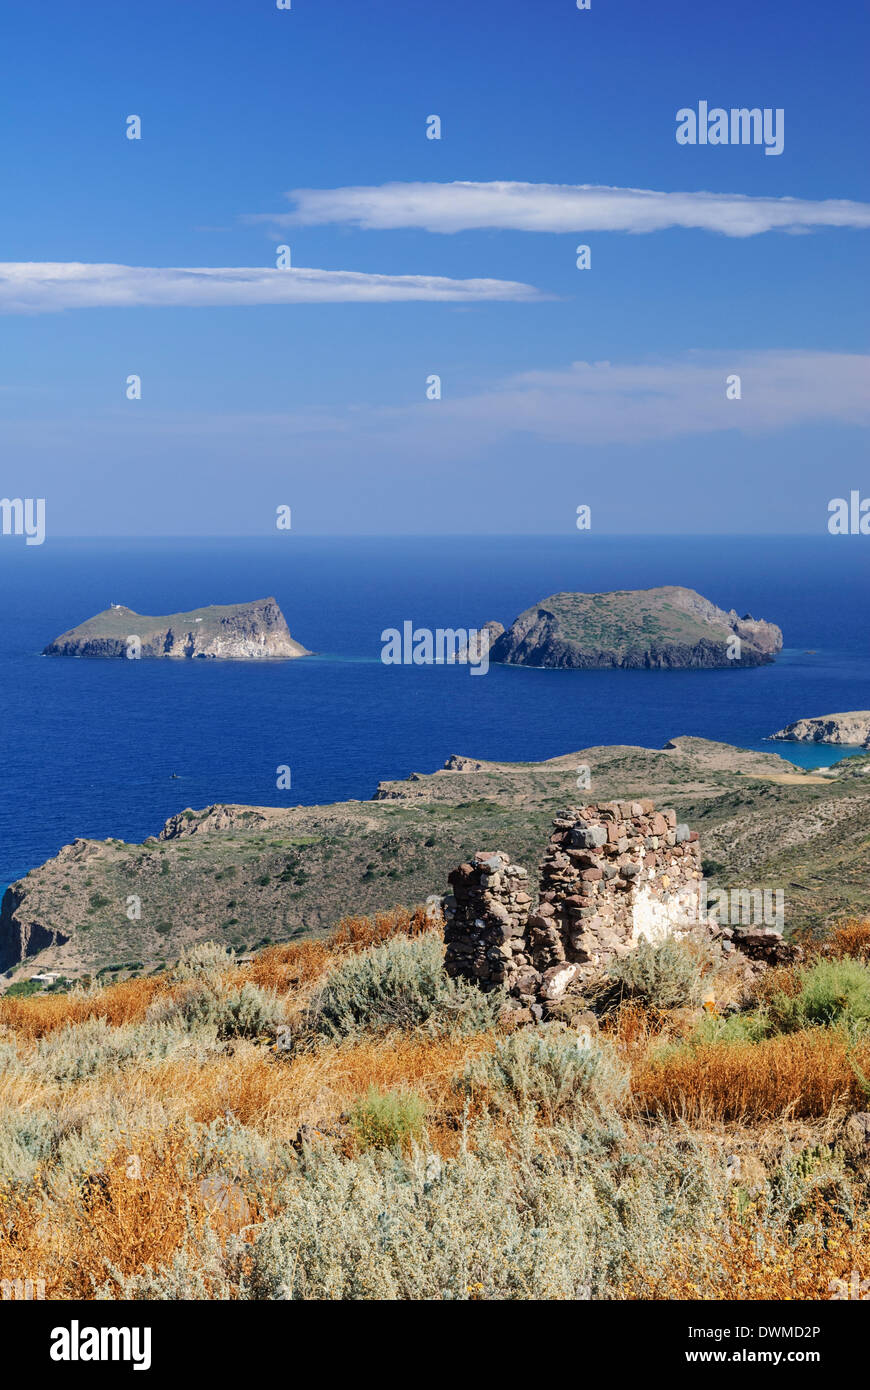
(89, 747)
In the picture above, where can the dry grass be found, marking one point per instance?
(744, 1261)
(801, 1074)
(34, 1017)
(282, 968)
(276, 1097)
(291, 967)
(132, 1219)
(849, 938)
(73, 1238)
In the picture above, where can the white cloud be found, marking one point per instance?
(43, 287)
(552, 207)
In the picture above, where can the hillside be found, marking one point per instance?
(669, 627)
(249, 875)
(235, 632)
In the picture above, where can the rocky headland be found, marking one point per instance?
(852, 729)
(247, 875)
(232, 632)
(664, 628)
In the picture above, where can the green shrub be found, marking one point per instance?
(664, 976)
(742, 1027)
(831, 992)
(399, 985)
(387, 1119)
(547, 1073)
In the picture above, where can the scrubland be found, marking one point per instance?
(336, 1119)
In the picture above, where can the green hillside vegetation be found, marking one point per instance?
(120, 622)
(628, 619)
(274, 874)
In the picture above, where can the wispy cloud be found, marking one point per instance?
(44, 287)
(553, 207)
(632, 403)
(588, 403)
(515, 456)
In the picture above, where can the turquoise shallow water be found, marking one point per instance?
(89, 748)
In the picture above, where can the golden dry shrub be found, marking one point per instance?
(277, 1096)
(801, 1074)
(135, 1212)
(35, 1017)
(849, 938)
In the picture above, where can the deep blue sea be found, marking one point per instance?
(87, 748)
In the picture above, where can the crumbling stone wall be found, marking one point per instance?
(485, 920)
(612, 872)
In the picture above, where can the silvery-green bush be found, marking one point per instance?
(81, 1050)
(232, 1011)
(547, 1072)
(668, 975)
(399, 985)
(27, 1138)
(205, 958)
(536, 1219)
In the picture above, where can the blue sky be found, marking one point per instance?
(320, 403)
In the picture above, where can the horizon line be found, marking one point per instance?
(443, 535)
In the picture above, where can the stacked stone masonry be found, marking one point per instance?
(613, 872)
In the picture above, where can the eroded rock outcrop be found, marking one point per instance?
(852, 728)
(19, 937)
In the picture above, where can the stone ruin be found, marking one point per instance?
(613, 872)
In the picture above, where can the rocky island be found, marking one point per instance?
(664, 628)
(232, 632)
(852, 729)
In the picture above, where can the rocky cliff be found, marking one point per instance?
(233, 632)
(852, 728)
(668, 627)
